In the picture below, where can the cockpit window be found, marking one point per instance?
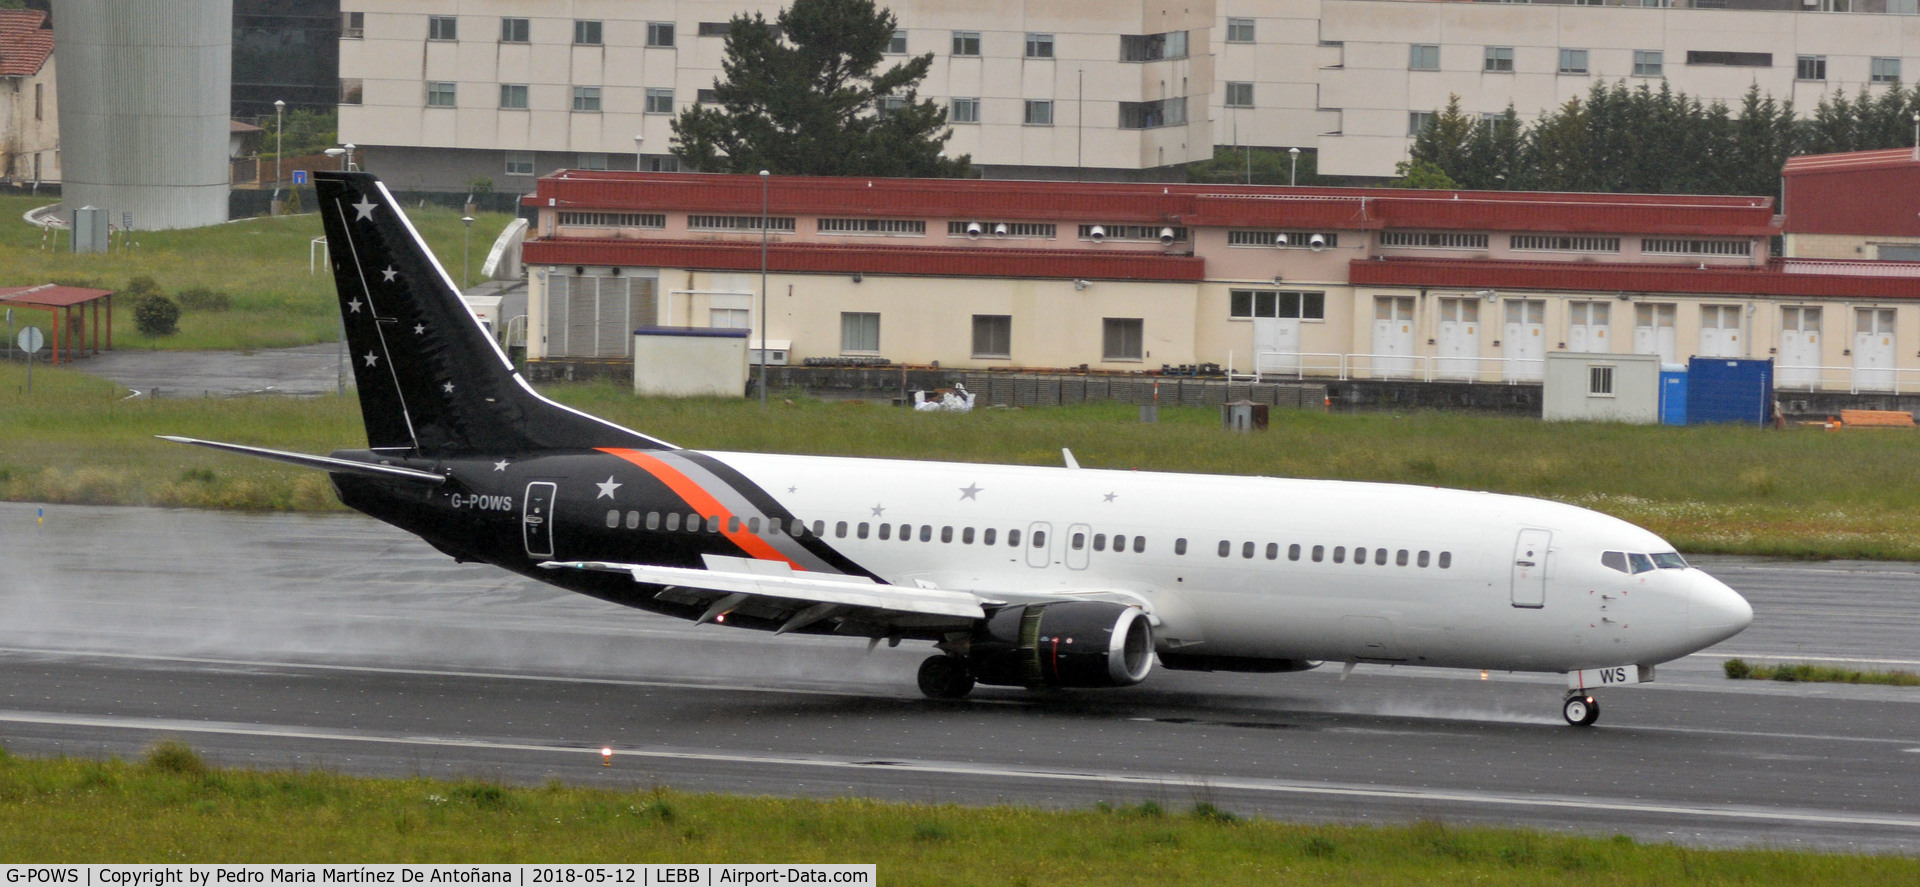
(1641, 563)
(1614, 560)
(1669, 560)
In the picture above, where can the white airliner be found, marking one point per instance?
(1019, 576)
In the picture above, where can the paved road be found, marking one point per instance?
(334, 641)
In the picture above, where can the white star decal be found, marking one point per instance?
(365, 208)
(607, 488)
(500, 465)
(1110, 496)
(371, 359)
(793, 489)
(354, 306)
(419, 328)
(970, 491)
(879, 510)
(388, 274)
(448, 388)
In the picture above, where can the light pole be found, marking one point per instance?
(1293, 166)
(349, 158)
(639, 161)
(466, 250)
(763, 288)
(1916, 136)
(279, 148)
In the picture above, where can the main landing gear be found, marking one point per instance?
(1580, 710)
(945, 677)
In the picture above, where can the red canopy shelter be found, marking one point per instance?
(68, 307)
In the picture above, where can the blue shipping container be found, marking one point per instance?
(1724, 390)
(1673, 395)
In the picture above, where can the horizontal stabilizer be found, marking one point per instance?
(324, 463)
(772, 579)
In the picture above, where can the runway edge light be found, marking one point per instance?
(606, 756)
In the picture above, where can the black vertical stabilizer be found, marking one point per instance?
(432, 380)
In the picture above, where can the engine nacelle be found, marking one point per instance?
(1066, 644)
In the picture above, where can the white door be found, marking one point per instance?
(1653, 330)
(1799, 365)
(1526, 339)
(1276, 344)
(1873, 349)
(1459, 338)
(1530, 568)
(1587, 327)
(1720, 331)
(1079, 544)
(1392, 336)
(1039, 544)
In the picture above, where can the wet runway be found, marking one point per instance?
(334, 641)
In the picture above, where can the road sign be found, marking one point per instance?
(31, 339)
(299, 176)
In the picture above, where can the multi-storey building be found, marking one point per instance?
(29, 115)
(445, 92)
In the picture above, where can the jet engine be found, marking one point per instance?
(1066, 644)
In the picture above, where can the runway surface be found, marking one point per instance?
(335, 641)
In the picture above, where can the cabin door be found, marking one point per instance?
(1530, 568)
(1039, 544)
(1079, 540)
(536, 519)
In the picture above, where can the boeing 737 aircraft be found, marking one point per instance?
(1018, 576)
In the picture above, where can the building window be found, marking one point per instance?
(1730, 59)
(966, 43)
(1563, 243)
(1153, 47)
(1248, 304)
(1239, 30)
(353, 25)
(513, 96)
(1151, 115)
(1270, 237)
(1417, 121)
(1433, 239)
(992, 335)
(1573, 61)
(729, 319)
(897, 45)
(1883, 70)
(859, 332)
(1423, 57)
(1039, 113)
(1810, 67)
(1671, 246)
(1018, 230)
(591, 161)
(1239, 95)
(1143, 233)
(440, 94)
(1121, 337)
(1649, 63)
(1600, 381)
(659, 101)
(714, 29)
(519, 163)
(1498, 60)
(586, 33)
(775, 224)
(1039, 46)
(660, 34)
(39, 101)
(443, 27)
(964, 111)
(891, 104)
(350, 89)
(609, 220)
(706, 96)
(514, 30)
(884, 227)
(586, 98)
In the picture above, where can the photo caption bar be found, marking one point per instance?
(526, 875)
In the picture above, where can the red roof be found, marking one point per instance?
(50, 295)
(1184, 204)
(849, 258)
(1859, 193)
(1776, 278)
(25, 42)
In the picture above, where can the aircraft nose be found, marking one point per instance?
(1716, 612)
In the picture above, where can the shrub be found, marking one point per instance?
(1738, 669)
(140, 287)
(174, 756)
(157, 315)
(200, 298)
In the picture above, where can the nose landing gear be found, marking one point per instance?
(1580, 710)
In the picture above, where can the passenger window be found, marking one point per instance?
(1339, 554)
(1246, 549)
(1293, 552)
(1013, 538)
(1423, 559)
(1641, 563)
(713, 523)
(820, 528)
(733, 524)
(1446, 559)
(886, 531)
(1379, 557)
(1179, 546)
(1119, 543)
(840, 530)
(1099, 542)
(653, 520)
(753, 525)
(1359, 555)
(966, 536)
(946, 534)
(773, 526)
(673, 522)
(613, 520)
(1318, 552)
(1400, 558)
(926, 532)
(861, 532)
(1079, 541)
(1226, 548)
(798, 530)
(1139, 544)
(986, 536)
(1273, 551)
(1614, 560)
(1039, 538)
(633, 520)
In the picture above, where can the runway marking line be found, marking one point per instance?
(946, 768)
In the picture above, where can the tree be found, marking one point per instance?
(1269, 166)
(801, 96)
(1422, 174)
(1444, 140)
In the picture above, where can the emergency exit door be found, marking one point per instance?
(536, 519)
(1530, 568)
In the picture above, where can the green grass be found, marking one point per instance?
(172, 808)
(260, 263)
(1740, 669)
(1718, 489)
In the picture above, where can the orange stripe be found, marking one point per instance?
(703, 502)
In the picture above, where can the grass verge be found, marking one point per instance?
(1740, 669)
(1714, 489)
(172, 807)
(260, 263)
